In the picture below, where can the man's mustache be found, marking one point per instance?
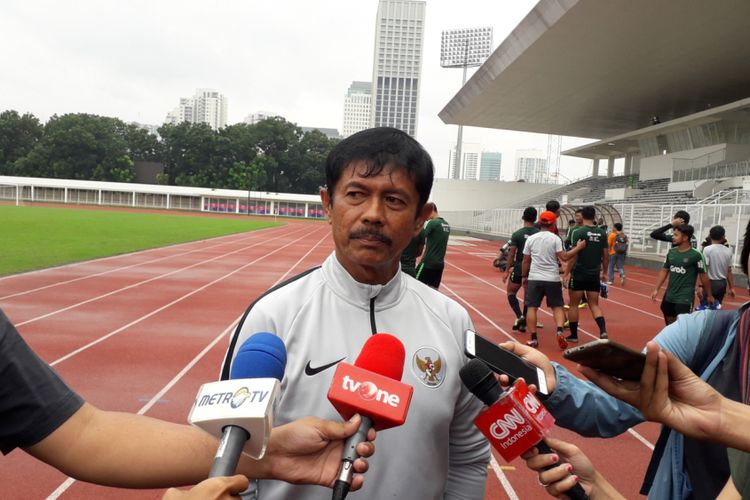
(370, 233)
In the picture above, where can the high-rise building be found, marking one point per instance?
(357, 105)
(397, 64)
(258, 116)
(531, 166)
(470, 154)
(206, 106)
(490, 165)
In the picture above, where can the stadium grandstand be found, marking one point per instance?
(663, 87)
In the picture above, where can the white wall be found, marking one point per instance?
(659, 167)
(450, 194)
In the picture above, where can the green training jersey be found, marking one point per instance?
(435, 233)
(684, 268)
(409, 255)
(589, 260)
(518, 240)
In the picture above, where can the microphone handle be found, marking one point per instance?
(576, 492)
(230, 449)
(348, 456)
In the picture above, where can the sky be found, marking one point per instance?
(134, 59)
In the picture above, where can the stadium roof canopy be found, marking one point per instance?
(598, 68)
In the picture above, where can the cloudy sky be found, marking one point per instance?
(134, 59)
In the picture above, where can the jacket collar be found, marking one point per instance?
(359, 294)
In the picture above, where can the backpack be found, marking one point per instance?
(621, 244)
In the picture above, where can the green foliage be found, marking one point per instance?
(38, 237)
(272, 155)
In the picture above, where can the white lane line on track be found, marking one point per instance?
(135, 285)
(170, 304)
(69, 481)
(118, 269)
(634, 433)
(504, 481)
(110, 257)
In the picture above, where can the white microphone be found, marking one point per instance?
(239, 411)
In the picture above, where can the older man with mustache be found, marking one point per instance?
(378, 182)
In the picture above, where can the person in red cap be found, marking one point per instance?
(541, 275)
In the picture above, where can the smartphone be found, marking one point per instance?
(504, 362)
(609, 357)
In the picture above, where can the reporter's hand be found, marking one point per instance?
(308, 451)
(215, 488)
(533, 356)
(668, 392)
(575, 467)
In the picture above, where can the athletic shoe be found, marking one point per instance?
(572, 339)
(539, 325)
(532, 343)
(603, 335)
(622, 280)
(567, 306)
(610, 283)
(566, 324)
(522, 324)
(603, 290)
(515, 325)
(583, 305)
(561, 342)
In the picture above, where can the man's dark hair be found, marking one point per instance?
(578, 210)
(571, 222)
(588, 212)
(618, 226)
(378, 147)
(686, 229)
(717, 233)
(553, 205)
(529, 214)
(681, 214)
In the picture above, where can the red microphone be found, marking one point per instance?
(515, 420)
(371, 387)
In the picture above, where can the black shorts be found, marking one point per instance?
(718, 289)
(515, 275)
(671, 309)
(535, 290)
(579, 285)
(430, 276)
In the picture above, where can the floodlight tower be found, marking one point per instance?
(464, 48)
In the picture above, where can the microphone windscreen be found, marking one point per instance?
(261, 356)
(383, 354)
(479, 379)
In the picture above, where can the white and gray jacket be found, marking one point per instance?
(324, 316)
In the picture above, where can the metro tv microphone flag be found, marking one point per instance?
(515, 421)
(239, 411)
(371, 387)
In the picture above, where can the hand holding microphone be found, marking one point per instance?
(515, 421)
(372, 388)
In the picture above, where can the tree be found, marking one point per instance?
(18, 136)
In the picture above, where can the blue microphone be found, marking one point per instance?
(241, 408)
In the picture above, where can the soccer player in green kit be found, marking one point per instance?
(684, 264)
(589, 267)
(436, 232)
(515, 257)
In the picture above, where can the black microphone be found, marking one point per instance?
(479, 379)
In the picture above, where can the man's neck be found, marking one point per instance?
(684, 246)
(369, 275)
(528, 224)
(588, 223)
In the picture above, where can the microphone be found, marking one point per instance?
(515, 420)
(371, 387)
(241, 408)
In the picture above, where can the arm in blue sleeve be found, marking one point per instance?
(681, 337)
(584, 408)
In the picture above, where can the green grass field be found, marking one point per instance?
(39, 237)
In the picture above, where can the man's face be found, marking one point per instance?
(579, 219)
(678, 237)
(373, 219)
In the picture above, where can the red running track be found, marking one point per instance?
(141, 332)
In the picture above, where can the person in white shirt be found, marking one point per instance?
(541, 275)
(719, 260)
